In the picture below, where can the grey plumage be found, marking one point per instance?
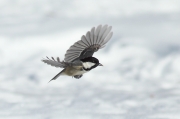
(54, 78)
(55, 63)
(94, 40)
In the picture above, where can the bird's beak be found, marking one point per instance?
(100, 64)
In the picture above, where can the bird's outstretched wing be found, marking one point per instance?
(89, 43)
(61, 64)
(55, 63)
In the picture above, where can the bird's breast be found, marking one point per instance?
(72, 71)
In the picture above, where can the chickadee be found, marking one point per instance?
(78, 58)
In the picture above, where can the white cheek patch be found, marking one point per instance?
(88, 65)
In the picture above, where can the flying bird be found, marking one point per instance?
(79, 57)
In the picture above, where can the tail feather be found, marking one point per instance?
(54, 78)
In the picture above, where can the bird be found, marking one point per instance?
(79, 57)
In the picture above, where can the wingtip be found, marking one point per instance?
(42, 60)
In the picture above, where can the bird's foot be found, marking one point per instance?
(78, 76)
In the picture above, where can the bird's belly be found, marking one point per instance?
(80, 72)
(72, 71)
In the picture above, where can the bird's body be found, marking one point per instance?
(78, 58)
(74, 70)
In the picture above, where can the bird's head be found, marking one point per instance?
(90, 63)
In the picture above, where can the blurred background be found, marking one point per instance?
(141, 74)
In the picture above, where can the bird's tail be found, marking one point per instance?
(54, 78)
